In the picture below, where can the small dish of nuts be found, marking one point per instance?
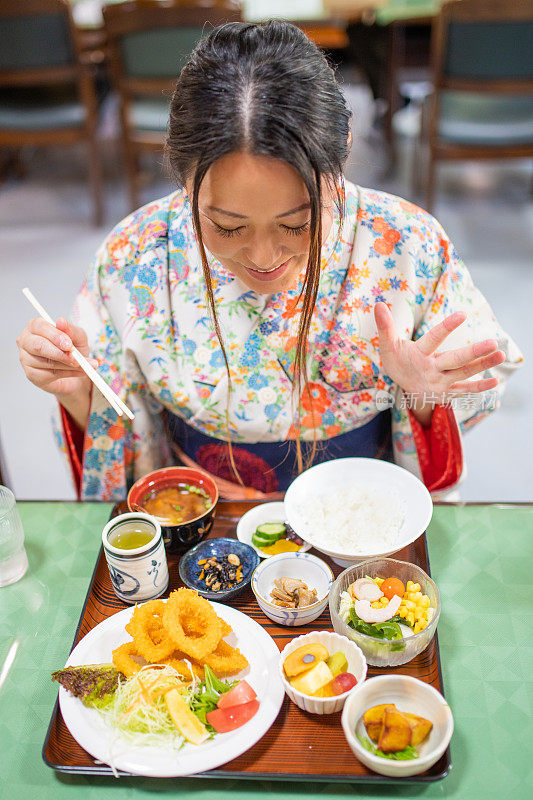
(218, 568)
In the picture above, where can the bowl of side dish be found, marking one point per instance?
(353, 509)
(414, 733)
(218, 569)
(396, 626)
(182, 499)
(264, 528)
(292, 588)
(310, 664)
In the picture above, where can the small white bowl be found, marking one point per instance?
(258, 515)
(334, 644)
(310, 569)
(410, 695)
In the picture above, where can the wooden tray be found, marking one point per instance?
(298, 746)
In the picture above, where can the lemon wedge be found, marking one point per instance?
(185, 721)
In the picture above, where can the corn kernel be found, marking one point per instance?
(409, 584)
(376, 604)
(425, 601)
(410, 618)
(417, 628)
(409, 605)
(416, 596)
(415, 587)
(379, 581)
(384, 601)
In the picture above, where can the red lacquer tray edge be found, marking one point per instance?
(104, 770)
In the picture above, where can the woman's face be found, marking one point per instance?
(255, 215)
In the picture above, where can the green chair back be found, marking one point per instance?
(159, 53)
(486, 50)
(33, 42)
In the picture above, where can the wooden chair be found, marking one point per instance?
(149, 42)
(482, 105)
(47, 93)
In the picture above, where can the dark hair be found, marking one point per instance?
(265, 89)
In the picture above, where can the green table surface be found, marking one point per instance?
(401, 10)
(481, 559)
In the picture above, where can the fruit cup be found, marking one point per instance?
(334, 644)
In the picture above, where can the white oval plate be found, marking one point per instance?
(91, 731)
(258, 515)
(361, 472)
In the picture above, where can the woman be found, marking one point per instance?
(267, 315)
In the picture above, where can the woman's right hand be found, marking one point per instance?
(45, 355)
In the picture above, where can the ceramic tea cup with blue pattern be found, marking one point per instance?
(136, 557)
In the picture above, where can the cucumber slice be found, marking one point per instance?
(261, 541)
(276, 529)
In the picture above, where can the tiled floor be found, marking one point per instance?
(47, 244)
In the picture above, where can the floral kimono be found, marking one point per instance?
(145, 312)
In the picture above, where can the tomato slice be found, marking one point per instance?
(241, 693)
(392, 586)
(228, 719)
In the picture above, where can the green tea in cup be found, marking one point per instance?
(129, 538)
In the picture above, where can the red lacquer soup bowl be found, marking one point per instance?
(178, 536)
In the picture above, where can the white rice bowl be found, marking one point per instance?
(358, 508)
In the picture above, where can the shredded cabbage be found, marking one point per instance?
(138, 712)
(139, 715)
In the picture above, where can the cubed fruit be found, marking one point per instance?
(313, 680)
(337, 663)
(304, 658)
(325, 691)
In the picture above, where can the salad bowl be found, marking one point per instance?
(382, 652)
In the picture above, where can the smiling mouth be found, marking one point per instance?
(265, 270)
(268, 271)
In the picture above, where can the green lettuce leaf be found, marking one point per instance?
(94, 684)
(406, 754)
(206, 695)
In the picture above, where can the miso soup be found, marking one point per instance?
(176, 504)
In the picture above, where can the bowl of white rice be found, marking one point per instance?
(353, 509)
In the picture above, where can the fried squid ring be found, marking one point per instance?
(123, 659)
(226, 629)
(226, 660)
(192, 624)
(148, 633)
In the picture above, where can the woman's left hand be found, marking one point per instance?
(424, 373)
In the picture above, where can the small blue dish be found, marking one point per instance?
(190, 571)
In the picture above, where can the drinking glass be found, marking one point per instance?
(13, 558)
